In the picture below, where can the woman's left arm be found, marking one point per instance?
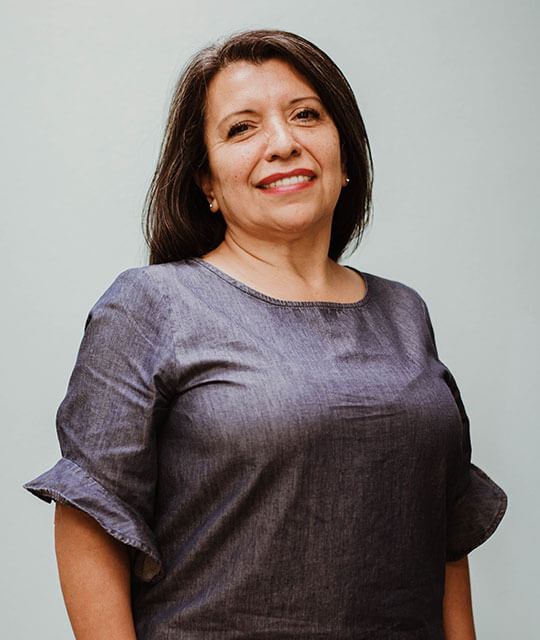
(457, 604)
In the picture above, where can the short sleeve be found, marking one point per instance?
(476, 504)
(119, 392)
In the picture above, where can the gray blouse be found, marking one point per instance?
(279, 469)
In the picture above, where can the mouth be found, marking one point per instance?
(289, 179)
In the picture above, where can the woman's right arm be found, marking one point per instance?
(94, 571)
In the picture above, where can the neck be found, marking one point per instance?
(293, 270)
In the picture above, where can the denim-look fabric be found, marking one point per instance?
(280, 469)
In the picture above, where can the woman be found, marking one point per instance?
(257, 441)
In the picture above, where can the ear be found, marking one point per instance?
(204, 182)
(344, 173)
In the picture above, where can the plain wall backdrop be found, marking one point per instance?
(449, 93)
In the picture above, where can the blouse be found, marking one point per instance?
(278, 469)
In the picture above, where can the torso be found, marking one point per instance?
(291, 499)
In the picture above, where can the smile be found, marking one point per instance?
(285, 182)
(295, 180)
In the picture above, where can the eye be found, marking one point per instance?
(308, 114)
(237, 128)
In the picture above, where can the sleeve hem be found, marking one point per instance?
(71, 485)
(498, 499)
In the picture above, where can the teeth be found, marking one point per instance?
(287, 181)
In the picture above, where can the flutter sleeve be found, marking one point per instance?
(476, 503)
(119, 392)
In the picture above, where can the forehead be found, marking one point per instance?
(242, 82)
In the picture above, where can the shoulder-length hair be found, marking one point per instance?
(177, 221)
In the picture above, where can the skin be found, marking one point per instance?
(265, 119)
(95, 577)
(260, 121)
(457, 605)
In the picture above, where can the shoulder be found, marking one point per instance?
(151, 284)
(140, 297)
(157, 297)
(403, 306)
(393, 292)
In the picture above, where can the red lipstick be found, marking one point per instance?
(289, 174)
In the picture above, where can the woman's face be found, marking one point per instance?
(275, 166)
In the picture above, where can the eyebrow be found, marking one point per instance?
(251, 111)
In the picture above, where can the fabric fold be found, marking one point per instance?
(475, 514)
(69, 484)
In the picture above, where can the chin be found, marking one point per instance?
(295, 227)
(294, 219)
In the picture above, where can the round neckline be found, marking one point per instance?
(286, 303)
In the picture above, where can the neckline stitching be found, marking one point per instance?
(286, 303)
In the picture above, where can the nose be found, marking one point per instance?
(281, 142)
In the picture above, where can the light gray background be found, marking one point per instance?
(449, 92)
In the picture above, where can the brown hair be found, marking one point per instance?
(177, 221)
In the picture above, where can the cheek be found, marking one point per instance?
(234, 169)
(336, 144)
(326, 149)
(333, 162)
